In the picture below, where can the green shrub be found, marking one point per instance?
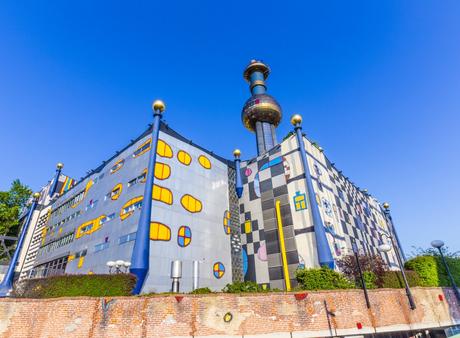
(369, 278)
(322, 279)
(76, 285)
(394, 280)
(240, 287)
(201, 291)
(432, 271)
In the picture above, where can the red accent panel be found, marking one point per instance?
(179, 298)
(441, 297)
(300, 296)
(359, 326)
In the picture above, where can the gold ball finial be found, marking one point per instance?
(60, 165)
(237, 153)
(158, 105)
(36, 195)
(386, 206)
(296, 119)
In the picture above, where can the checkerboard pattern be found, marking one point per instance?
(264, 183)
(348, 213)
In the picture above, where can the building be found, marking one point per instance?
(257, 219)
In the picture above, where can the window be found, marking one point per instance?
(127, 238)
(117, 166)
(89, 227)
(143, 148)
(191, 203)
(130, 206)
(66, 239)
(52, 268)
(139, 179)
(184, 157)
(159, 232)
(204, 161)
(162, 171)
(101, 246)
(163, 149)
(164, 195)
(108, 218)
(81, 253)
(70, 203)
(116, 192)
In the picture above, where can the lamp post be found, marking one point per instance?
(366, 295)
(141, 249)
(324, 252)
(438, 244)
(389, 219)
(386, 247)
(7, 283)
(52, 190)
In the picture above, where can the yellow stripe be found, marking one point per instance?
(63, 186)
(282, 245)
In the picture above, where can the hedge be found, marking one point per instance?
(248, 286)
(201, 291)
(76, 285)
(322, 279)
(432, 271)
(394, 280)
(369, 278)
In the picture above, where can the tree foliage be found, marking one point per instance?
(432, 271)
(418, 251)
(369, 263)
(11, 203)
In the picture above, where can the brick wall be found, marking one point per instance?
(319, 314)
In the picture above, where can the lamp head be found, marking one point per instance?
(127, 264)
(59, 166)
(36, 196)
(237, 153)
(158, 106)
(384, 247)
(386, 205)
(110, 264)
(296, 119)
(438, 244)
(120, 262)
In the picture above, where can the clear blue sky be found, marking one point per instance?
(378, 84)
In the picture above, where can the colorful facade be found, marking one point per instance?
(242, 220)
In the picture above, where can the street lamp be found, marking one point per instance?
(386, 247)
(438, 245)
(118, 265)
(363, 282)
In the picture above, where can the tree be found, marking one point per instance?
(417, 251)
(369, 263)
(11, 203)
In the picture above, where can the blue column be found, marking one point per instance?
(322, 245)
(239, 181)
(7, 283)
(141, 251)
(257, 83)
(59, 167)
